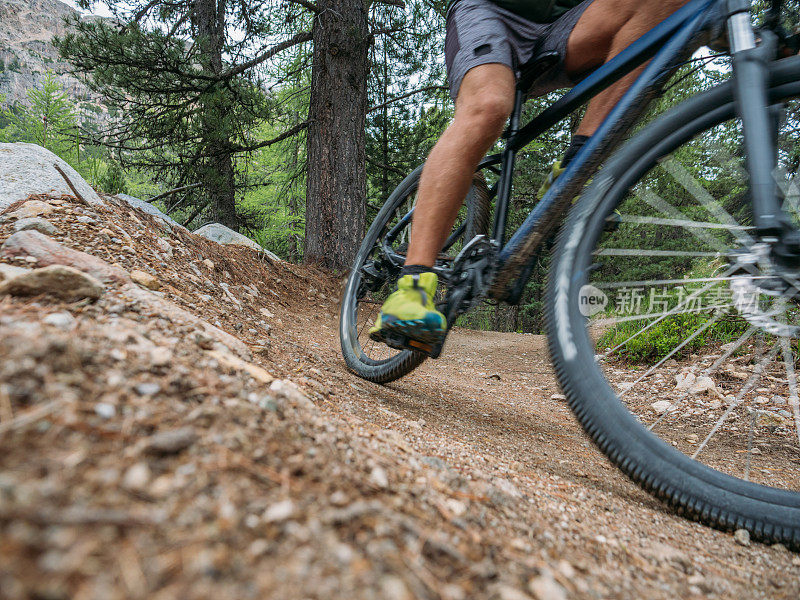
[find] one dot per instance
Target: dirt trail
(487, 403)
(205, 440)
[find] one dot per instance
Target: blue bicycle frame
(666, 46)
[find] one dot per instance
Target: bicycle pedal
(402, 342)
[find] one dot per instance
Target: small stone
(86, 220)
(62, 320)
(287, 389)
(742, 537)
(170, 442)
(31, 208)
(379, 478)
(661, 406)
(60, 281)
(280, 511)
(692, 438)
(208, 263)
(160, 356)
(36, 224)
(145, 279)
(164, 247)
(684, 381)
(778, 400)
(702, 385)
(502, 591)
(762, 400)
(258, 548)
(545, 587)
(136, 477)
(435, 462)
(394, 588)
(266, 312)
(162, 486)
(558, 397)
(147, 389)
(338, 498)
(10, 271)
(105, 410)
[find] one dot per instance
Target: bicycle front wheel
(673, 334)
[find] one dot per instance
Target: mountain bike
(677, 246)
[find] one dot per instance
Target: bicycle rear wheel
(674, 338)
(377, 268)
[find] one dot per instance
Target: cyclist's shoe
(555, 171)
(408, 319)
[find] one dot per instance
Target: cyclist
(485, 42)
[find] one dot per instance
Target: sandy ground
(144, 455)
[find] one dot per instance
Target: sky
(99, 8)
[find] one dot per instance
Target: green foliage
(113, 180)
(47, 118)
(661, 339)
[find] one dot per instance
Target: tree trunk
(335, 201)
(215, 168)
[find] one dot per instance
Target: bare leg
(485, 100)
(605, 29)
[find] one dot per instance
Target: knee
(485, 114)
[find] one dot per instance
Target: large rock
(57, 280)
(49, 252)
(217, 232)
(27, 169)
(149, 209)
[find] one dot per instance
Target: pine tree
(186, 77)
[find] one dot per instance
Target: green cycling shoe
(408, 319)
(612, 221)
(554, 174)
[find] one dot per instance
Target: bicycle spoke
(666, 208)
(675, 350)
(680, 175)
(663, 253)
(708, 372)
(791, 376)
(751, 382)
(664, 282)
(679, 222)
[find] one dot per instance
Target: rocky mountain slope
(27, 54)
(176, 422)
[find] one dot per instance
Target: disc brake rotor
(756, 279)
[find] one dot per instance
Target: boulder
(217, 232)
(57, 280)
(149, 209)
(49, 252)
(27, 169)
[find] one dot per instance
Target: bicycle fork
(750, 85)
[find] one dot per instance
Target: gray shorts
(481, 32)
